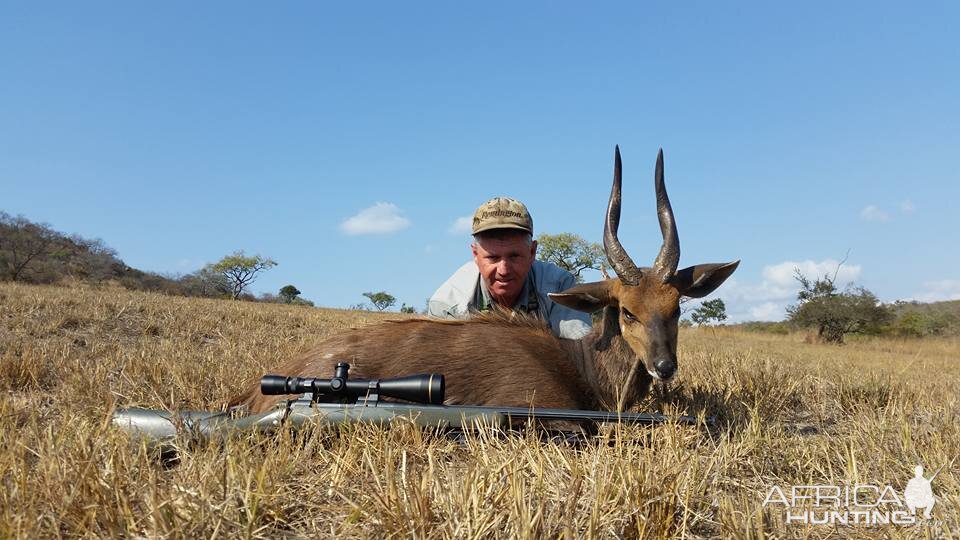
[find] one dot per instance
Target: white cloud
(907, 207)
(462, 225)
(782, 275)
(768, 300)
(757, 292)
(381, 218)
(872, 213)
(767, 311)
(938, 291)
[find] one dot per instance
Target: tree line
(35, 253)
(832, 313)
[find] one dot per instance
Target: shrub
(835, 314)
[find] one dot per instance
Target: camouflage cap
(502, 213)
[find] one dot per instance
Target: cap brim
(502, 226)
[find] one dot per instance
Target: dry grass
(791, 413)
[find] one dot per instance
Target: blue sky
(181, 132)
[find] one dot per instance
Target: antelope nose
(665, 368)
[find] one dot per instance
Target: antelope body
(507, 359)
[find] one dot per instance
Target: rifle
(341, 400)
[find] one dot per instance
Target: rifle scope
(428, 388)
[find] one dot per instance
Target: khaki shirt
(464, 293)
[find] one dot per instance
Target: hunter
(504, 272)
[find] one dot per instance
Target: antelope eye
(627, 315)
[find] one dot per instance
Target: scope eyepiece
(278, 385)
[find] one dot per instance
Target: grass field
(790, 414)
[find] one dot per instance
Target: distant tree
(207, 283)
(91, 260)
(240, 271)
(288, 294)
(836, 313)
(407, 309)
(34, 253)
(570, 252)
(24, 246)
(711, 310)
(915, 319)
(381, 300)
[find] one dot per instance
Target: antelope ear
(702, 279)
(588, 297)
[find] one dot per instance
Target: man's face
(504, 263)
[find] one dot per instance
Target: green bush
(920, 324)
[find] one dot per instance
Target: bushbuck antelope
(514, 360)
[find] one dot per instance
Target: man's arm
(568, 323)
(436, 308)
(452, 297)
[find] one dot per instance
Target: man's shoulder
(464, 279)
(452, 297)
(550, 276)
